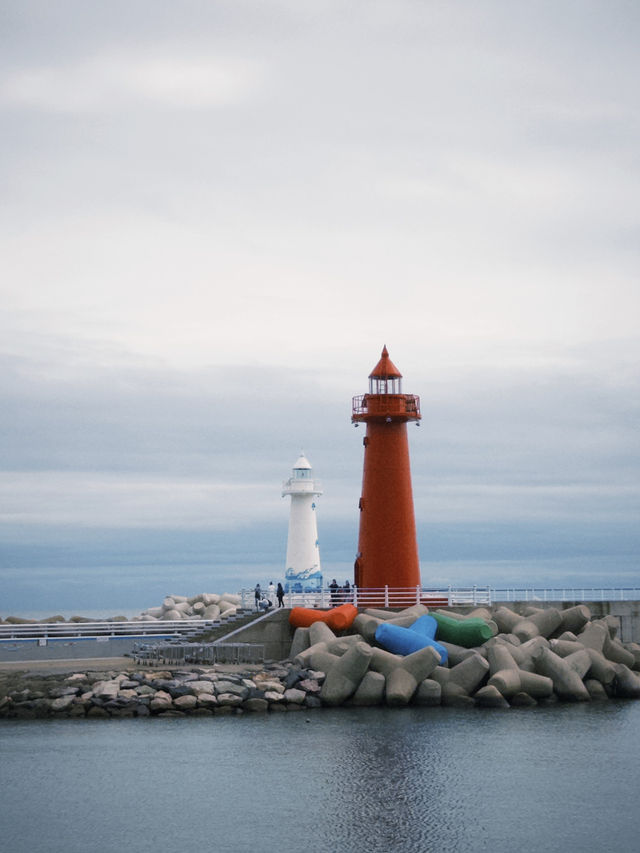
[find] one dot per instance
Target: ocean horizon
(588, 591)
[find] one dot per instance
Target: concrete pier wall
(273, 631)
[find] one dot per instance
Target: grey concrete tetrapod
(506, 619)
(564, 648)
(342, 644)
(547, 621)
(500, 657)
(428, 694)
(403, 680)
(592, 636)
(456, 654)
(299, 643)
(379, 613)
(575, 618)
(616, 652)
(366, 624)
(601, 670)
(345, 675)
(303, 658)
(490, 697)
(322, 660)
(470, 673)
(567, 684)
(383, 661)
(320, 632)
(579, 661)
(627, 682)
(370, 691)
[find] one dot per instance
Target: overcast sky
(214, 214)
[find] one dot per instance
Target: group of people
(266, 600)
(340, 594)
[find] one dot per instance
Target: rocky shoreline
(541, 657)
(199, 691)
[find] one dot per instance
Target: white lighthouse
(303, 573)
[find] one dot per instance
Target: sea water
(542, 779)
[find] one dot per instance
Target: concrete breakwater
(207, 606)
(541, 656)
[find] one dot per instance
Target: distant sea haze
(122, 570)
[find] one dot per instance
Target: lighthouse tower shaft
(302, 572)
(387, 543)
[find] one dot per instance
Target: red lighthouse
(387, 545)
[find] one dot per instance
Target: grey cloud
(502, 442)
(535, 428)
(145, 419)
(460, 178)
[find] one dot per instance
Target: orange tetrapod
(338, 618)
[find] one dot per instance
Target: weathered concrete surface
(370, 690)
(345, 675)
(273, 631)
(428, 694)
(627, 612)
(566, 682)
(470, 673)
(299, 643)
(490, 697)
(499, 657)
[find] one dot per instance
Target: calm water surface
(373, 780)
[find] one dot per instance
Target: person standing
(257, 594)
(272, 593)
(333, 587)
(280, 594)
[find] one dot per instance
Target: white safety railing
(88, 630)
(566, 593)
(385, 596)
(477, 596)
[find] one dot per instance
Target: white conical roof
(302, 462)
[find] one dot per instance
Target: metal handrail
(385, 596)
(566, 593)
(472, 595)
(36, 630)
(198, 653)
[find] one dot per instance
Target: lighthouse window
(385, 386)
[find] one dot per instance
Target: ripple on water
(354, 780)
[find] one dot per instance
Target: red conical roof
(385, 368)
